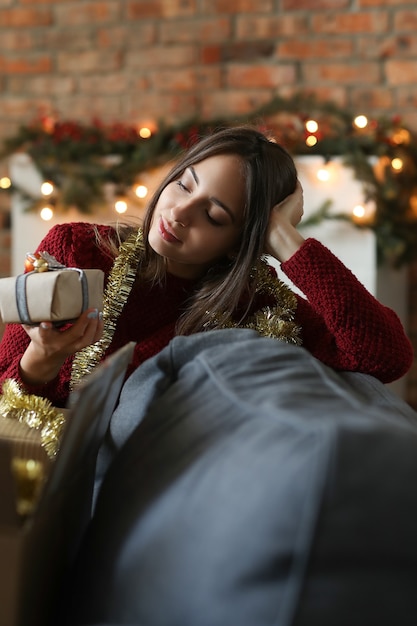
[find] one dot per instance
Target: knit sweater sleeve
(73, 245)
(342, 324)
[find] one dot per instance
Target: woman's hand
(49, 346)
(283, 238)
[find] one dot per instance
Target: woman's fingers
(87, 329)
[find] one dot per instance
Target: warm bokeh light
(120, 206)
(141, 191)
(397, 164)
(145, 132)
(46, 213)
(5, 182)
(312, 126)
(311, 140)
(48, 124)
(323, 174)
(361, 121)
(47, 188)
(359, 211)
(413, 204)
(402, 135)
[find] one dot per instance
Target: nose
(182, 213)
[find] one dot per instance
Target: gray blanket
(250, 485)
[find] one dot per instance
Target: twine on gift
(44, 262)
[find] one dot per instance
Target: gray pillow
(252, 486)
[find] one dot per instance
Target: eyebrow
(213, 199)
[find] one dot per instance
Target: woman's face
(198, 219)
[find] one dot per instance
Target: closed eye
(182, 186)
(213, 221)
(209, 217)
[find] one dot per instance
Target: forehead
(223, 177)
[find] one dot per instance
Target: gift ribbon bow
(43, 262)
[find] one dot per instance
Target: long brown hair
(270, 176)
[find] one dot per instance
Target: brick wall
(174, 59)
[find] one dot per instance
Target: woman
(197, 266)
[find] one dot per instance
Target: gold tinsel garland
(119, 285)
(276, 322)
(35, 412)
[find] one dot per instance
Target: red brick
(400, 72)
(410, 120)
(162, 56)
(373, 99)
(17, 40)
(114, 83)
(240, 51)
(189, 79)
(88, 61)
(383, 3)
(330, 93)
(211, 54)
(405, 21)
(350, 23)
(322, 49)
(291, 5)
(16, 110)
(172, 108)
(19, 17)
(232, 103)
(236, 6)
(141, 9)
(406, 97)
(76, 13)
(115, 36)
(260, 75)
(80, 106)
(202, 30)
(271, 26)
(40, 1)
(65, 39)
(383, 47)
(347, 73)
(40, 85)
(33, 64)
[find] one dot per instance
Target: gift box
(40, 536)
(57, 296)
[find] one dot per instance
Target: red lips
(166, 233)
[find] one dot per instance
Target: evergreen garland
(80, 159)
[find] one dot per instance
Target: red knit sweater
(342, 324)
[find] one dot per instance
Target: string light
(402, 135)
(323, 174)
(47, 188)
(5, 182)
(397, 164)
(311, 126)
(145, 132)
(141, 191)
(363, 213)
(121, 197)
(358, 211)
(120, 206)
(46, 213)
(361, 121)
(311, 141)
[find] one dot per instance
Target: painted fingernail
(100, 316)
(44, 325)
(92, 315)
